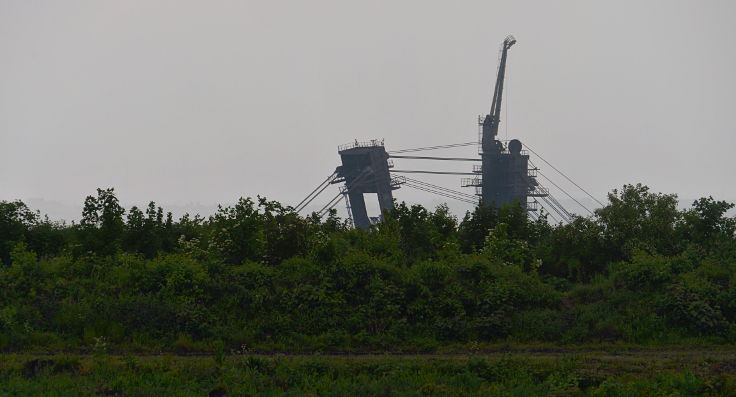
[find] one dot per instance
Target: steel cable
(299, 206)
(565, 176)
(433, 147)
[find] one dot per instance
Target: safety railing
(539, 191)
(398, 181)
(466, 182)
(371, 143)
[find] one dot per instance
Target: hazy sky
(206, 101)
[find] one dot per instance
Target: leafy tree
(501, 248)
(237, 233)
(48, 238)
(286, 233)
(135, 233)
(15, 221)
(102, 224)
(706, 223)
(148, 234)
(638, 218)
(422, 233)
(475, 226)
(575, 250)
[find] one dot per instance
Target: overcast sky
(186, 102)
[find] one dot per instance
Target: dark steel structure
(365, 169)
(505, 176)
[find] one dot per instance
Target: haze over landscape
(121, 120)
(191, 104)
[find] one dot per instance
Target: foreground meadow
(515, 373)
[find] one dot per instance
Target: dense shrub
(260, 275)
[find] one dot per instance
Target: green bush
(258, 274)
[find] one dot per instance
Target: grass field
(603, 372)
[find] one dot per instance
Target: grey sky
(207, 101)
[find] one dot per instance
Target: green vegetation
(654, 287)
(661, 374)
(258, 275)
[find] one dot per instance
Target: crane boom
(492, 119)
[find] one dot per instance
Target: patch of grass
(506, 374)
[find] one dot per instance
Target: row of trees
(257, 273)
(249, 230)
(267, 232)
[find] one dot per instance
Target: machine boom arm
(490, 124)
